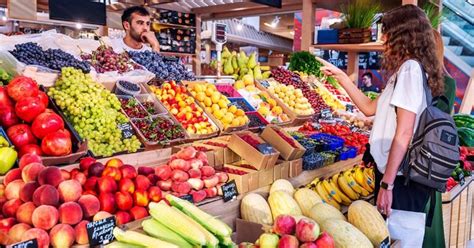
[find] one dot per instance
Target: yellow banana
(325, 196)
(344, 186)
(356, 187)
(367, 177)
(345, 200)
(360, 178)
(331, 191)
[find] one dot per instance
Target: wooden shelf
(363, 47)
(177, 54)
(157, 25)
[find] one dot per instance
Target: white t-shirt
(408, 94)
(119, 46)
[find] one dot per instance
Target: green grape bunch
(93, 111)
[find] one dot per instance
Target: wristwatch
(386, 186)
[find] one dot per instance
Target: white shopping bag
(408, 227)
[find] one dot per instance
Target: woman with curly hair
(410, 51)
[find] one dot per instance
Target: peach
(17, 231)
(90, 192)
(26, 192)
(3, 199)
(153, 178)
(165, 185)
(199, 196)
(223, 177)
(95, 169)
(211, 181)
(45, 217)
(11, 207)
(101, 215)
(179, 176)
(126, 185)
(31, 171)
(124, 200)
(69, 190)
(12, 175)
(181, 187)
(179, 164)
(73, 172)
(128, 171)
(107, 202)
(46, 195)
(62, 235)
(207, 171)
(86, 162)
(66, 174)
(145, 170)
(80, 177)
(142, 182)
(90, 205)
(197, 164)
(163, 172)
(211, 192)
(6, 224)
(28, 159)
(51, 175)
(70, 213)
(25, 212)
(2, 190)
(154, 194)
(81, 233)
(40, 235)
(196, 183)
(12, 191)
(112, 172)
(140, 197)
(194, 173)
(91, 183)
(107, 185)
(114, 162)
(138, 212)
(123, 217)
(187, 153)
(203, 157)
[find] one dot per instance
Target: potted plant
(358, 17)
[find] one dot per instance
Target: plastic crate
(331, 142)
(239, 102)
(228, 90)
(256, 115)
(329, 158)
(347, 152)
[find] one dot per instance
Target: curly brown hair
(409, 35)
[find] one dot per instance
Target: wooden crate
(457, 214)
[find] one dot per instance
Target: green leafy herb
(305, 62)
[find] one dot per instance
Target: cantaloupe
(254, 208)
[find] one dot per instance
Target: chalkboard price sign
(32, 243)
(127, 130)
(229, 191)
(101, 232)
(188, 198)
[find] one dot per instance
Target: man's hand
(150, 38)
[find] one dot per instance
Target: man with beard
(138, 37)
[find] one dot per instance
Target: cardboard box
(265, 176)
(287, 152)
(246, 182)
(228, 156)
(247, 231)
(257, 159)
(281, 169)
(296, 167)
(210, 153)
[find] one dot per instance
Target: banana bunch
(344, 187)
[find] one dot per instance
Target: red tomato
(21, 135)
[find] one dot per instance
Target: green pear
(228, 69)
(266, 74)
(234, 62)
(225, 53)
(252, 61)
(257, 73)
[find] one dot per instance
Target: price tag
(127, 130)
(188, 198)
(265, 148)
(32, 243)
(101, 232)
(350, 108)
(229, 191)
(385, 243)
(326, 114)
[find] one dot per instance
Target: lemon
(277, 110)
(197, 88)
(208, 109)
(263, 111)
(215, 107)
(222, 103)
(235, 122)
(207, 102)
(243, 120)
(218, 114)
(272, 102)
(200, 96)
(211, 87)
(232, 109)
(228, 118)
(209, 92)
(239, 112)
(215, 97)
(239, 85)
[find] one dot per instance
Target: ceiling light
(274, 22)
(78, 26)
(239, 27)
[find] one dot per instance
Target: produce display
(304, 61)
(241, 66)
(218, 105)
(32, 54)
(304, 218)
(132, 108)
(464, 168)
(8, 155)
(180, 225)
(30, 125)
(5, 77)
(293, 98)
(290, 78)
(105, 59)
(93, 111)
(183, 107)
(465, 126)
(163, 68)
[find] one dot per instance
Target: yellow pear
(234, 62)
(248, 79)
(225, 53)
(266, 74)
(228, 69)
(257, 73)
(252, 61)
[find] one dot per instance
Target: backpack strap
(426, 88)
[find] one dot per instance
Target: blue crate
(247, 104)
(331, 142)
(328, 36)
(4, 134)
(313, 161)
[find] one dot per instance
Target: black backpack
(434, 152)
